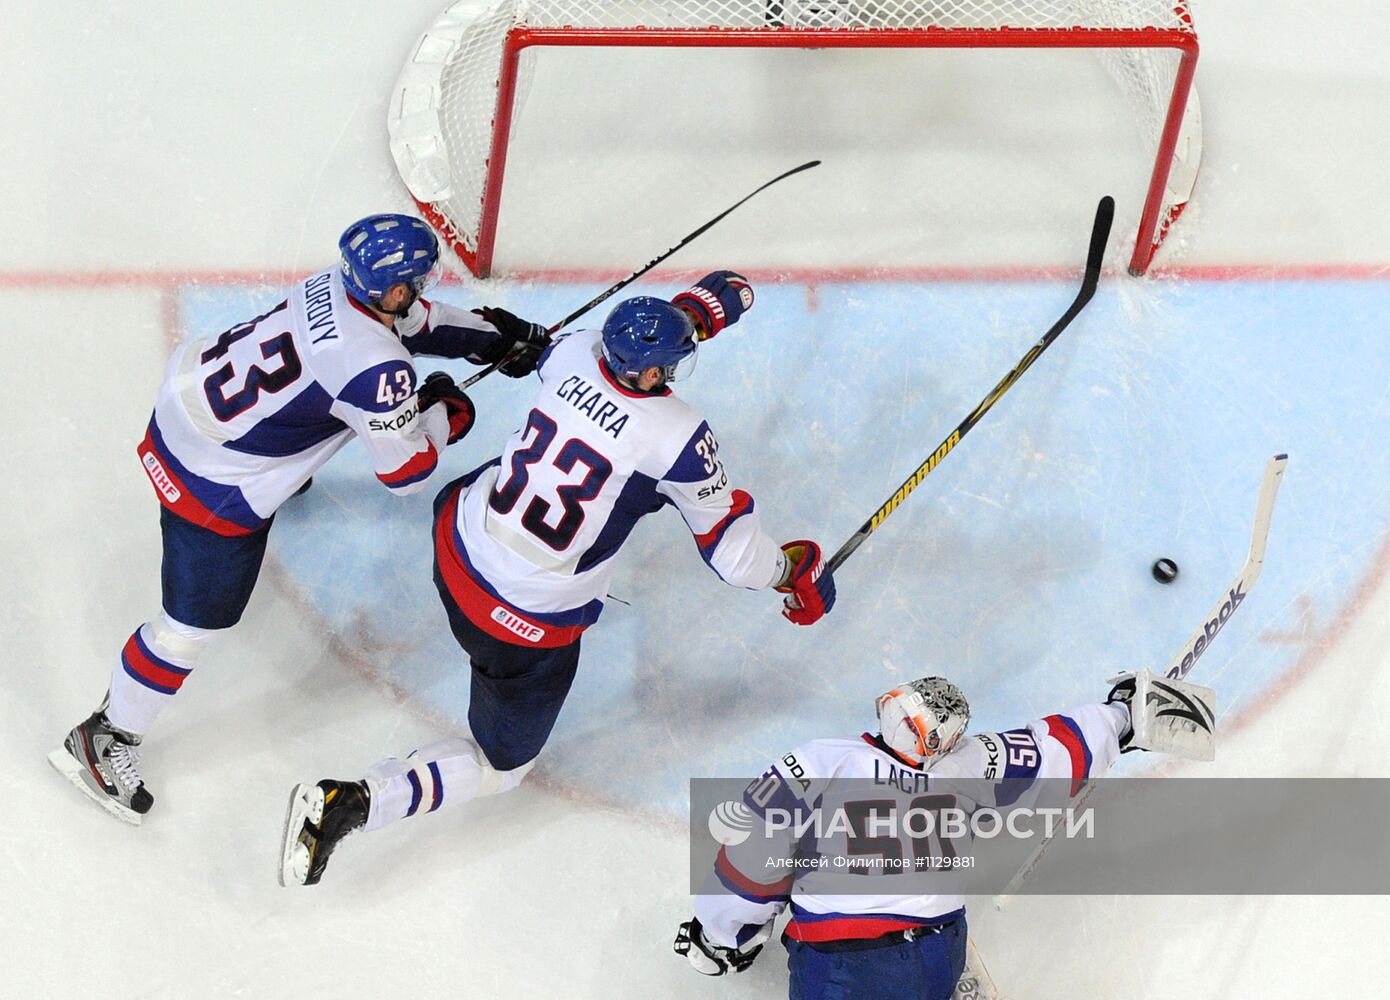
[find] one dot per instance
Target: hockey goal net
(452, 111)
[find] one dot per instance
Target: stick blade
(1215, 619)
(1100, 236)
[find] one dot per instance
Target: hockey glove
(715, 301)
(809, 586)
(523, 340)
(710, 959)
(1123, 693)
(440, 388)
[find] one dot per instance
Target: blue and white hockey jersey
(526, 547)
(1000, 769)
(244, 418)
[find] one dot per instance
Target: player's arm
(751, 880)
(381, 407)
(482, 336)
(729, 535)
(1049, 758)
(723, 520)
(1080, 742)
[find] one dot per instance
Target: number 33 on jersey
(540, 527)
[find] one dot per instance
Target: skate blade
(71, 768)
(306, 803)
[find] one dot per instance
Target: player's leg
(516, 697)
(207, 581)
(152, 666)
(320, 815)
(925, 968)
(942, 956)
(808, 969)
(451, 770)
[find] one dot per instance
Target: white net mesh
(447, 99)
(849, 14)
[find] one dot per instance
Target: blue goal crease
(1020, 568)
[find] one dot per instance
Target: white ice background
(170, 166)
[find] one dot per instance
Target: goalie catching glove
(710, 959)
(440, 388)
(809, 585)
(523, 342)
(715, 301)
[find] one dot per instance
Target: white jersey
(992, 769)
(243, 419)
(530, 554)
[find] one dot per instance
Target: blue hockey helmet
(646, 332)
(381, 251)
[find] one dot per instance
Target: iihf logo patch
(160, 478)
(518, 625)
(731, 823)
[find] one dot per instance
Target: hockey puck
(1165, 571)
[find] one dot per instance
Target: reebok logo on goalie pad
(512, 623)
(160, 478)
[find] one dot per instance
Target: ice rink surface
(170, 169)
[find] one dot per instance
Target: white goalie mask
(923, 719)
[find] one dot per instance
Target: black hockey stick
(619, 286)
(658, 259)
(1100, 232)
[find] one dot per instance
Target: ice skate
(103, 762)
(319, 817)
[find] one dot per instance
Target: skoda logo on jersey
(731, 823)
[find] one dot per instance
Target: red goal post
(451, 113)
